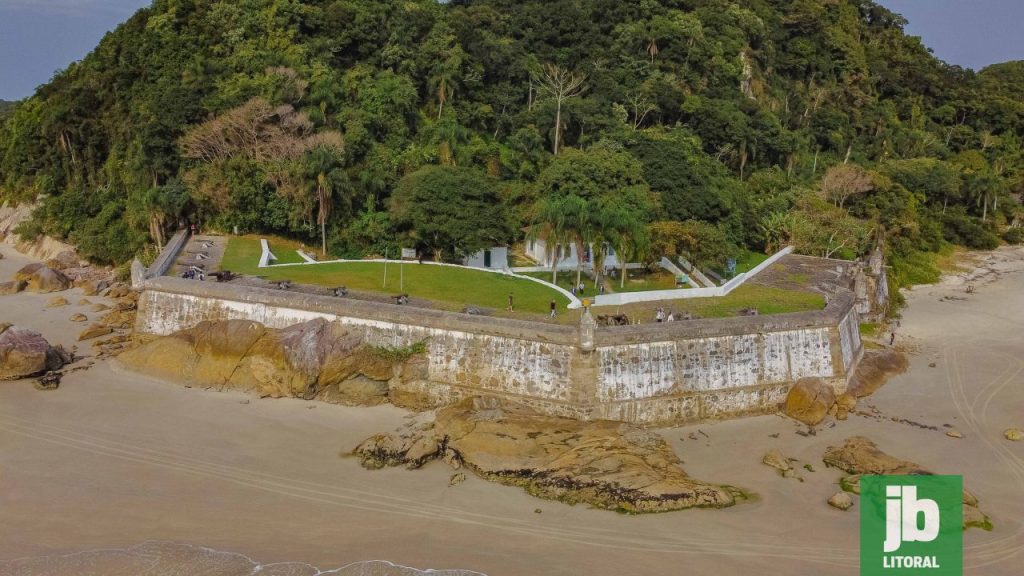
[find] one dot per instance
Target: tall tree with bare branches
(559, 85)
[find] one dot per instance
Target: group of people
(662, 316)
(194, 273)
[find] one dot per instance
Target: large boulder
(27, 271)
(25, 353)
(809, 401)
(605, 464)
(313, 360)
(42, 279)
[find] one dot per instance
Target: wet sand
(112, 460)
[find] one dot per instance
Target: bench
(401, 299)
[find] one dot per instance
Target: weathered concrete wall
(651, 374)
(716, 368)
(170, 253)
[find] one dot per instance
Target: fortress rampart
(649, 374)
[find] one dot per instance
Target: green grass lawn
(566, 279)
(454, 288)
(746, 261)
(766, 299)
(457, 287)
(242, 254)
(640, 281)
(286, 254)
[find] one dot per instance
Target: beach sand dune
(112, 460)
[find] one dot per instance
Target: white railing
(701, 278)
(621, 298)
(265, 255)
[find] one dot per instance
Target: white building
(537, 250)
(492, 258)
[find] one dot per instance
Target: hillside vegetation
(704, 127)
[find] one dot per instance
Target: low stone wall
(170, 253)
(649, 374)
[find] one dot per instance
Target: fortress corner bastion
(651, 374)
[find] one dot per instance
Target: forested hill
(696, 125)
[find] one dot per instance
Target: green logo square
(911, 525)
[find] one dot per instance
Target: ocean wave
(156, 558)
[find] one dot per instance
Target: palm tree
(563, 222)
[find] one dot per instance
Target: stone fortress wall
(650, 374)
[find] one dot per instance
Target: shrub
(960, 228)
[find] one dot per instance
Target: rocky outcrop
(12, 287)
(809, 401)
(92, 287)
(860, 456)
(25, 353)
(874, 370)
(41, 248)
(610, 465)
(66, 260)
(94, 331)
(312, 360)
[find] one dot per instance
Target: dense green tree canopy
(323, 117)
(450, 211)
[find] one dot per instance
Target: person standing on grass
(554, 308)
(510, 307)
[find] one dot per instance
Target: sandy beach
(111, 461)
